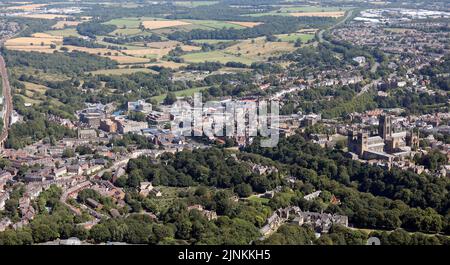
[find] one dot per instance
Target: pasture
(216, 56)
(259, 49)
(295, 36)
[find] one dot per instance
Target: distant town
(89, 154)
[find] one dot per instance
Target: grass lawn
(294, 36)
(122, 71)
(216, 56)
(181, 93)
(255, 198)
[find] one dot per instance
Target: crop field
(29, 7)
(65, 24)
(259, 49)
(310, 9)
(37, 42)
(159, 24)
(35, 39)
(97, 51)
(154, 52)
(123, 59)
(44, 16)
(215, 24)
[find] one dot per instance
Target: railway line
(7, 102)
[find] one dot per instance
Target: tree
(68, 153)
(170, 99)
(399, 237)
(243, 190)
(100, 233)
(43, 233)
(162, 232)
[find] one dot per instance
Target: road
(322, 31)
(8, 105)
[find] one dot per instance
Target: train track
(7, 102)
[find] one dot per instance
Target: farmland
(295, 36)
(216, 56)
(159, 24)
(298, 11)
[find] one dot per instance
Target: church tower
(385, 126)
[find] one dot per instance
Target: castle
(387, 145)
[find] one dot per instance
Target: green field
(255, 198)
(215, 56)
(69, 32)
(130, 26)
(129, 47)
(284, 11)
(123, 71)
(195, 3)
(213, 24)
(129, 22)
(39, 74)
(126, 31)
(294, 36)
(208, 41)
(311, 9)
(30, 100)
(181, 93)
